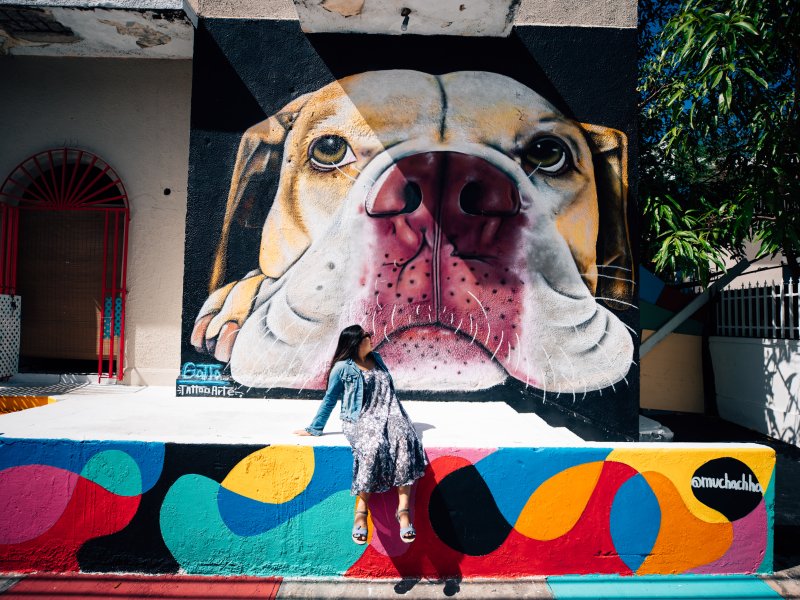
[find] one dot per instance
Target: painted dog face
(458, 217)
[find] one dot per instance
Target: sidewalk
(785, 584)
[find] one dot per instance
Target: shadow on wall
(758, 384)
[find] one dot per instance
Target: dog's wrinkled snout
(473, 184)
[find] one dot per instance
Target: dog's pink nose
(448, 179)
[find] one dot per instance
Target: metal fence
(763, 311)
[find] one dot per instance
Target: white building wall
(758, 384)
(135, 115)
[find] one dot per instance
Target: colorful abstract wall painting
(287, 511)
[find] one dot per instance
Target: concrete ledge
(286, 510)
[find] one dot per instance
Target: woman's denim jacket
(346, 383)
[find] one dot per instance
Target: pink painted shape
(747, 549)
(471, 454)
(32, 498)
(386, 531)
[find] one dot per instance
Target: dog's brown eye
(548, 154)
(329, 152)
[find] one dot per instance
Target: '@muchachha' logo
(728, 486)
(746, 483)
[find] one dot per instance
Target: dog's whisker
(532, 173)
(631, 329)
(611, 277)
(613, 267)
(499, 345)
(519, 350)
(385, 336)
(361, 173)
(486, 316)
(528, 377)
(459, 324)
(615, 300)
(549, 364)
(572, 368)
(373, 322)
(394, 308)
(609, 362)
(350, 177)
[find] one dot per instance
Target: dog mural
(462, 218)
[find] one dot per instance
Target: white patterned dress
(386, 450)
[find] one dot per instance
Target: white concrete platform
(154, 414)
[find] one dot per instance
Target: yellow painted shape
(557, 504)
(274, 474)
(684, 541)
(9, 404)
(679, 464)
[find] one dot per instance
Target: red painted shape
(131, 587)
(586, 548)
(92, 512)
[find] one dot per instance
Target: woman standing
(386, 450)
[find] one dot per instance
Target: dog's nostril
(470, 198)
(478, 199)
(412, 194)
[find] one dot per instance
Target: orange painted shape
(684, 541)
(10, 404)
(557, 504)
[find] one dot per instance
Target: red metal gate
(69, 179)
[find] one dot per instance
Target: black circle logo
(727, 485)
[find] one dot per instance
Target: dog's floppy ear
(260, 147)
(614, 259)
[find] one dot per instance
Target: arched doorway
(63, 249)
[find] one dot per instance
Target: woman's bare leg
(362, 505)
(403, 502)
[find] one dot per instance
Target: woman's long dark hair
(347, 347)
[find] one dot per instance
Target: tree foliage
(720, 133)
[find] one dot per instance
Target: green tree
(719, 132)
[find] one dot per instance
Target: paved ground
(130, 587)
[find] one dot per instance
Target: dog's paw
(223, 315)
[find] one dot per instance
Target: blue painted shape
(311, 542)
(635, 521)
(661, 587)
(513, 474)
(72, 455)
(244, 516)
(650, 286)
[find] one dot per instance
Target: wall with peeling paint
(479, 512)
(584, 13)
(135, 115)
(466, 199)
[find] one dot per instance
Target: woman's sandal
(407, 534)
(359, 532)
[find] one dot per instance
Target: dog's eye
(329, 152)
(548, 154)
